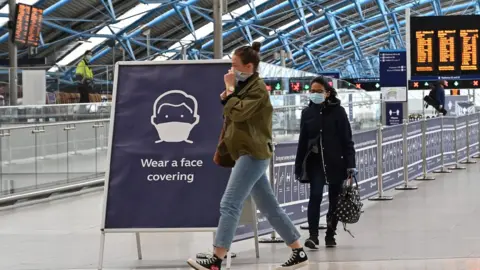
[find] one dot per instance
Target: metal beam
(253, 9)
(201, 13)
(356, 47)
(384, 11)
(358, 7)
(318, 67)
(398, 33)
(437, 7)
(186, 21)
(297, 6)
(333, 24)
(109, 7)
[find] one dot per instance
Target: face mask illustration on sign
(174, 116)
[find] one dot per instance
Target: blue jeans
(249, 177)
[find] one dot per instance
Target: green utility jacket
(248, 118)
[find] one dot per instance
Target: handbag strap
(354, 177)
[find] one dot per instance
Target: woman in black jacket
(325, 156)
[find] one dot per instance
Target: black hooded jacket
(325, 127)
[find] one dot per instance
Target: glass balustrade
(47, 155)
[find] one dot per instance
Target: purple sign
(394, 113)
(165, 132)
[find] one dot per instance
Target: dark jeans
(317, 183)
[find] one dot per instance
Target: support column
(147, 35)
(184, 53)
(12, 53)
(217, 29)
(409, 72)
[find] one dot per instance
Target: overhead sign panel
(28, 25)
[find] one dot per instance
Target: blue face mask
(242, 76)
(317, 98)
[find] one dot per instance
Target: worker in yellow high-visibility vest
(84, 77)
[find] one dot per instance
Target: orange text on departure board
(424, 50)
(446, 44)
(469, 48)
(23, 20)
(36, 19)
(28, 25)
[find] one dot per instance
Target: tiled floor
(432, 228)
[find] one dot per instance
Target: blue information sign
(165, 132)
(394, 113)
(393, 75)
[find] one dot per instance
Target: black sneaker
(298, 260)
(330, 242)
(312, 243)
(213, 263)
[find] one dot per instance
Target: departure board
(446, 50)
(469, 43)
(444, 46)
(28, 24)
(424, 50)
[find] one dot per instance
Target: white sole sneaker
(293, 267)
(195, 265)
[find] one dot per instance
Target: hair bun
(256, 46)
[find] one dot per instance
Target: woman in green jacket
(248, 140)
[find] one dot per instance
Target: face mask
(88, 58)
(242, 76)
(174, 130)
(317, 98)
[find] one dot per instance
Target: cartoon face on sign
(174, 116)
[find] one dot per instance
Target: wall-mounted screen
(444, 46)
(28, 25)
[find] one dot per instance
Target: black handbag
(349, 207)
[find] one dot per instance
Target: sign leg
(102, 251)
(139, 246)
(255, 229)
